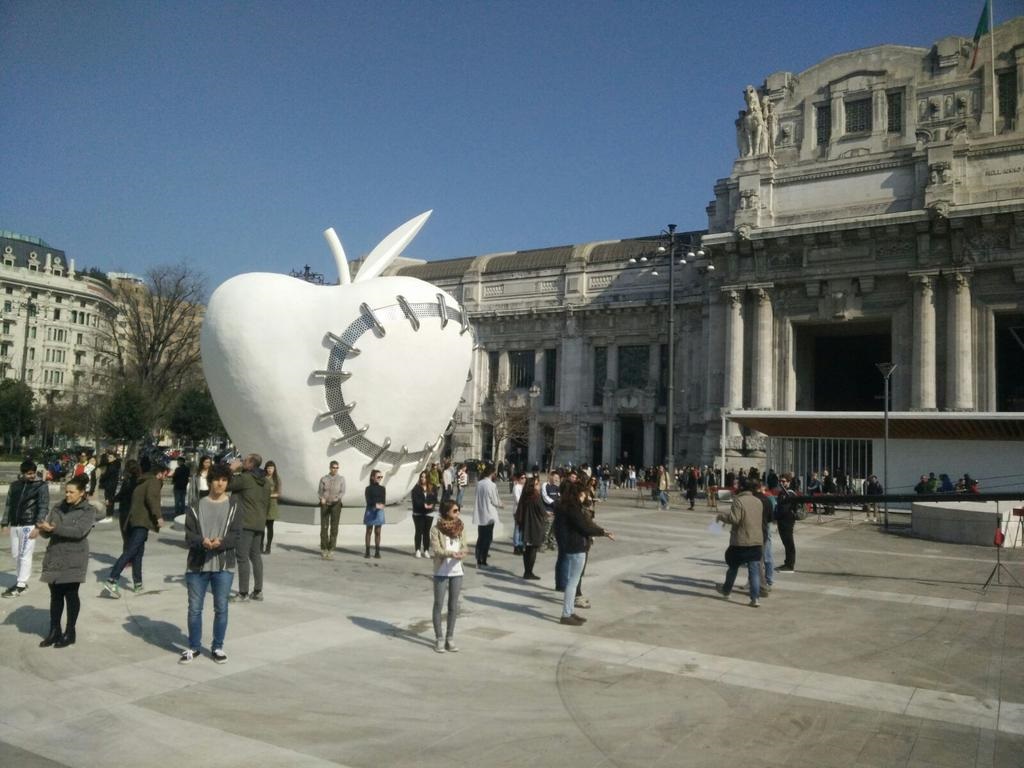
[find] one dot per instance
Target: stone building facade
(875, 213)
(881, 220)
(53, 321)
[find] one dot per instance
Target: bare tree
(554, 434)
(154, 338)
(509, 416)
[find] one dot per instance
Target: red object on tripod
(1000, 537)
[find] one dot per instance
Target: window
(824, 124)
(1008, 96)
(550, 375)
(32, 332)
(858, 116)
(79, 358)
(30, 375)
(31, 353)
(59, 299)
(7, 326)
(493, 359)
(520, 369)
(56, 314)
(663, 374)
(56, 334)
(634, 365)
(74, 316)
(8, 306)
(600, 374)
(9, 290)
(78, 339)
(894, 109)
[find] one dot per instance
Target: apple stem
(344, 276)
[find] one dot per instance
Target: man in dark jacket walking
(249, 486)
(28, 501)
(145, 516)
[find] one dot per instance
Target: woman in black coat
(532, 519)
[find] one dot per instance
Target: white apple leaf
(390, 248)
(339, 255)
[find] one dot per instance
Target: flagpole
(992, 61)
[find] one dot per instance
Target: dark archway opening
(1009, 362)
(837, 365)
(631, 440)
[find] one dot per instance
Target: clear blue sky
(230, 134)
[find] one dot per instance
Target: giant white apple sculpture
(367, 372)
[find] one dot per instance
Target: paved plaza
(880, 650)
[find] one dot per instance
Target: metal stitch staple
(337, 341)
(340, 375)
(442, 308)
(337, 412)
(345, 439)
(464, 319)
(384, 446)
(409, 312)
(371, 318)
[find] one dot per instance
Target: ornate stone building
(53, 321)
(875, 213)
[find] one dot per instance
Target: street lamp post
(670, 233)
(886, 370)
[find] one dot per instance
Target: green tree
(17, 411)
(128, 415)
(193, 416)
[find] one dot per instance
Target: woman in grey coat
(67, 558)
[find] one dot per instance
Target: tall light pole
(886, 370)
(670, 419)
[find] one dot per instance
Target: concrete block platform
(879, 650)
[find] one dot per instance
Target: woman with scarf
(448, 547)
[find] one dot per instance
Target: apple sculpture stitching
(367, 372)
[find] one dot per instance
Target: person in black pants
(785, 520)
(424, 500)
(66, 562)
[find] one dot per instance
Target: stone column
(613, 367)
(922, 371)
(959, 347)
(649, 457)
(608, 442)
(733, 355)
(764, 352)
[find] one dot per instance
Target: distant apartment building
(53, 321)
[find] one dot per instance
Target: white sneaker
(187, 656)
(418, 554)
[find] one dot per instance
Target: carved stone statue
(770, 125)
(755, 142)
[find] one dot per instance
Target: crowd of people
(229, 512)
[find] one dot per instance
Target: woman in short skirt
(373, 518)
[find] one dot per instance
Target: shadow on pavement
(514, 607)
(162, 634)
(29, 619)
(389, 630)
(539, 594)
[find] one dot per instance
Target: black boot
(51, 638)
(68, 638)
(367, 554)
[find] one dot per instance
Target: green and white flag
(984, 28)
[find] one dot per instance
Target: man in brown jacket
(145, 516)
(745, 541)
